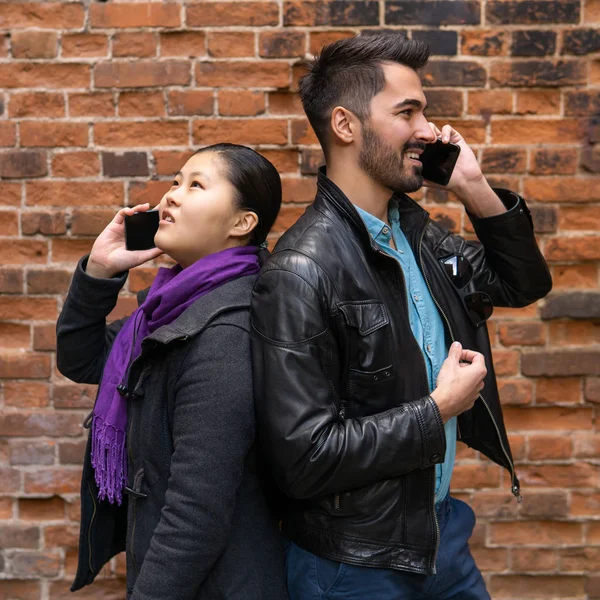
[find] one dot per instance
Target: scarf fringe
(109, 460)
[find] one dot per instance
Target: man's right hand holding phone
(109, 255)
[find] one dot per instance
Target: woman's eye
(196, 184)
(175, 183)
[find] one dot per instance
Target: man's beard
(383, 164)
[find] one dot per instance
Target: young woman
(171, 473)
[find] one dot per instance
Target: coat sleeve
(507, 261)
(83, 340)
(213, 430)
(313, 452)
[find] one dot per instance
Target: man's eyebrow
(411, 102)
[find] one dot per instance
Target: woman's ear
(245, 223)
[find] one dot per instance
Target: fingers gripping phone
(140, 229)
(438, 161)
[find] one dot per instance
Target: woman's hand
(109, 255)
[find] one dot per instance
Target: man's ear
(345, 125)
(244, 224)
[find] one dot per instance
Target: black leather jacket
(344, 411)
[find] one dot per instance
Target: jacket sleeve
(83, 339)
(507, 261)
(312, 451)
(213, 430)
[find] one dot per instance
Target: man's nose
(424, 132)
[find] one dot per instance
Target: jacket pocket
(365, 316)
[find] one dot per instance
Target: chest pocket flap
(366, 316)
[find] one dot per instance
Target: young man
(370, 349)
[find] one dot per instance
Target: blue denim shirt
(425, 322)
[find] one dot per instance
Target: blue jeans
(457, 577)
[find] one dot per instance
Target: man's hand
(467, 181)
(459, 381)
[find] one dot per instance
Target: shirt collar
(378, 230)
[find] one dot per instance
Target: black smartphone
(438, 161)
(140, 229)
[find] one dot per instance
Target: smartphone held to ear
(438, 161)
(140, 229)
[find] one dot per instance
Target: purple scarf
(172, 292)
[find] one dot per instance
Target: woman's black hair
(256, 181)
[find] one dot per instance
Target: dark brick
(409, 12)
(285, 44)
(581, 41)
(533, 12)
(545, 218)
(446, 103)
(336, 13)
(592, 130)
(582, 104)
(567, 363)
(48, 281)
(1, 106)
(550, 161)
(71, 452)
(440, 42)
(128, 164)
(503, 160)
(483, 43)
(11, 281)
(538, 73)
(572, 305)
(533, 43)
(590, 159)
(46, 223)
(19, 536)
(311, 161)
(19, 164)
(464, 73)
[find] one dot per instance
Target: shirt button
(416, 297)
(428, 348)
(401, 251)
(385, 230)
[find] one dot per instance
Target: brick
(74, 396)
(241, 103)
(65, 536)
(547, 418)
(10, 481)
(562, 189)
(547, 505)
(15, 335)
(545, 218)
(534, 559)
(26, 394)
(590, 159)
(536, 586)
(581, 41)
(19, 536)
(92, 105)
(576, 475)
(335, 13)
(460, 73)
(537, 73)
(33, 424)
(9, 222)
(592, 12)
(84, 45)
(485, 475)
(538, 102)
(592, 390)
(574, 333)
(583, 276)
(488, 102)
(406, 12)
(302, 133)
(31, 452)
(441, 43)
(494, 505)
(533, 12)
(230, 44)
(522, 334)
(484, 42)
(554, 161)
(506, 362)
(39, 75)
(579, 559)
(533, 43)
(246, 131)
(284, 103)
(127, 164)
(151, 191)
(447, 217)
(90, 222)
(36, 564)
(33, 44)
(318, 39)
(503, 160)
(540, 131)
(191, 102)
(285, 161)
(168, 162)
(47, 223)
(7, 134)
(299, 189)
(44, 337)
(23, 164)
(282, 44)
(47, 15)
(490, 559)
(75, 164)
(243, 74)
(311, 161)
(141, 104)
(515, 391)
(15, 252)
(125, 306)
(226, 14)
(139, 44)
(11, 281)
(585, 504)
(54, 134)
(573, 305)
(141, 134)
(183, 43)
(288, 215)
(142, 74)
(70, 250)
(58, 480)
(447, 103)
(587, 446)
(569, 248)
(563, 390)
(21, 589)
(68, 193)
(537, 533)
(36, 104)
(127, 15)
(71, 452)
(24, 366)
(581, 104)
(550, 447)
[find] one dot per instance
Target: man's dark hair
(349, 73)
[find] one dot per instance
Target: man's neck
(361, 190)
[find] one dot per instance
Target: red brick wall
(100, 103)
